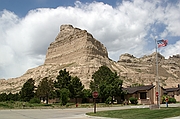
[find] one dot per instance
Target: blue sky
(22, 7)
(27, 27)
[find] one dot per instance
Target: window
(143, 95)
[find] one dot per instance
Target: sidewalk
(173, 118)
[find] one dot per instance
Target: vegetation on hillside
(65, 87)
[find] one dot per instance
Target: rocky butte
(82, 55)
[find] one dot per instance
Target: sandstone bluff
(82, 55)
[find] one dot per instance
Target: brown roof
(172, 89)
(132, 90)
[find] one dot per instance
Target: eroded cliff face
(82, 55)
(74, 45)
(73, 49)
(78, 52)
(143, 70)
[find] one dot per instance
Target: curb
(95, 117)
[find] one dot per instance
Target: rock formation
(143, 70)
(82, 55)
(74, 45)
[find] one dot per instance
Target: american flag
(162, 43)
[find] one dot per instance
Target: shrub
(35, 100)
(133, 100)
(172, 100)
(164, 99)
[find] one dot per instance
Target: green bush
(35, 100)
(172, 100)
(133, 100)
(164, 99)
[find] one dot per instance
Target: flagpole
(157, 76)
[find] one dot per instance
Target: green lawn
(144, 113)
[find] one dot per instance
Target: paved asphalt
(73, 113)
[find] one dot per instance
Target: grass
(23, 105)
(144, 113)
(27, 105)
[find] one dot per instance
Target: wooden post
(94, 105)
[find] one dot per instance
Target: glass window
(143, 95)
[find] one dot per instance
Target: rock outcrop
(143, 70)
(75, 45)
(82, 55)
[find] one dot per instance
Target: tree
(8, 97)
(3, 97)
(16, 97)
(45, 88)
(87, 93)
(104, 74)
(76, 88)
(106, 82)
(64, 96)
(63, 80)
(27, 91)
(72, 84)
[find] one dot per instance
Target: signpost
(157, 94)
(95, 95)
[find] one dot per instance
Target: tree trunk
(47, 99)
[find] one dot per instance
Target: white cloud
(127, 28)
(171, 49)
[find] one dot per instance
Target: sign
(157, 94)
(95, 94)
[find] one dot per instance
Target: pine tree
(45, 88)
(76, 88)
(106, 82)
(27, 91)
